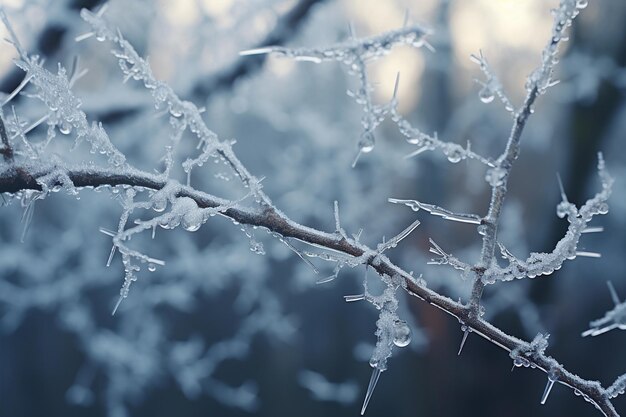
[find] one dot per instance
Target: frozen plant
(170, 196)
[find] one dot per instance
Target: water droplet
(65, 128)
(151, 267)
(159, 204)
(486, 95)
(192, 221)
(454, 155)
(366, 143)
(581, 4)
(373, 362)
(603, 208)
(401, 333)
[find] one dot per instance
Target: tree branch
(14, 179)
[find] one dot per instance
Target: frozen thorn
(107, 232)
(438, 211)
(356, 158)
(436, 249)
(258, 51)
(598, 229)
(466, 331)
(155, 261)
(300, 255)
(326, 279)
(614, 295)
(102, 10)
(111, 255)
(117, 305)
(351, 31)
(394, 96)
(596, 331)
(589, 254)
(370, 388)
(33, 125)
(84, 36)
(393, 242)
(19, 88)
(561, 188)
(331, 277)
(428, 46)
(27, 216)
(355, 297)
(552, 378)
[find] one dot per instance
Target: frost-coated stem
(498, 193)
(16, 178)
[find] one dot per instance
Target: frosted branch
(566, 249)
(356, 53)
(491, 86)
(613, 319)
(15, 179)
(425, 142)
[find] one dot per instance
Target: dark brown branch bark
(7, 150)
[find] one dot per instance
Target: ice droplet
(366, 143)
(603, 208)
(65, 128)
(192, 221)
(401, 333)
(581, 4)
(486, 95)
(454, 156)
(151, 267)
(159, 204)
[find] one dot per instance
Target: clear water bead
(65, 128)
(159, 204)
(374, 362)
(454, 156)
(401, 333)
(486, 95)
(603, 208)
(366, 143)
